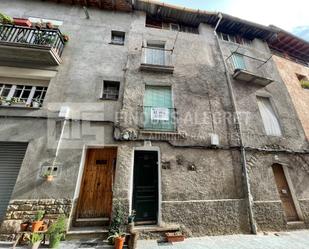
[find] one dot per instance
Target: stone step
(296, 225)
(87, 233)
(155, 232)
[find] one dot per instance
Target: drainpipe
(238, 128)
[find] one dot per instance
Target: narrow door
(145, 187)
(285, 193)
(95, 199)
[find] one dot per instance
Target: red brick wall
(300, 96)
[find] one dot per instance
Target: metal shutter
(11, 158)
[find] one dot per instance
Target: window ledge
(116, 43)
(157, 68)
(19, 107)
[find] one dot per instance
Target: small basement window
(118, 37)
(110, 90)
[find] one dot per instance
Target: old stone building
(180, 115)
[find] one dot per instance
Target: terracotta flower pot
(22, 22)
(50, 178)
(172, 237)
(24, 227)
(36, 225)
(119, 241)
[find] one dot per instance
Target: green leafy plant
(48, 173)
(305, 84)
(131, 217)
(117, 219)
(39, 215)
(57, 231)
(5, 19)
(35, 237)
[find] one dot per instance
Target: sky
(292, 16)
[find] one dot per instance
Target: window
(110, 90)
(152, 22)
(269, 117)
(235, 39)
(22, 95)
(155, 54)
(238, 61)
(159, 113)
(118, 37)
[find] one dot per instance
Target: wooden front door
(145, 187)
(285, 193)
(95, 198)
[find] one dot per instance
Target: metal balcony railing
(158, 59)
(52, 38)
(157, 118)
(250, 69)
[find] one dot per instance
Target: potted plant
(18, 102)
(304, 83)
(49, 175)
(36, 103)
(5, 19)
(65, 38)
(49, 25)
(35, 240)
(38, 221)
(57, 231)
(118, 240)
(174, 237)
(24, 226)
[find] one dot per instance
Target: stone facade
(20, 211)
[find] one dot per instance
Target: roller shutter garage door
(11, 158)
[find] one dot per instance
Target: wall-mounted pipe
(238, 128)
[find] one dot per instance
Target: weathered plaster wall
(267, 204)
(251, 122)
(288, 70)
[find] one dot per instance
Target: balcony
(160, 119)
(157, 60)
(31, 45)
(255, 75)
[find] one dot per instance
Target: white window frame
(156, 46)
(30, 99)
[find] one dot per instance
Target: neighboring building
(178, 114)
(291, 56)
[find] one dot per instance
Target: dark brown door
(285, 193)
(95, 198)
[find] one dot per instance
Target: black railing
(32, 36)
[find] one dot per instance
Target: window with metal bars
(22, 95)
(110, 90)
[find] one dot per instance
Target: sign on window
(160, 113)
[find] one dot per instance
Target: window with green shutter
(159, 113)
